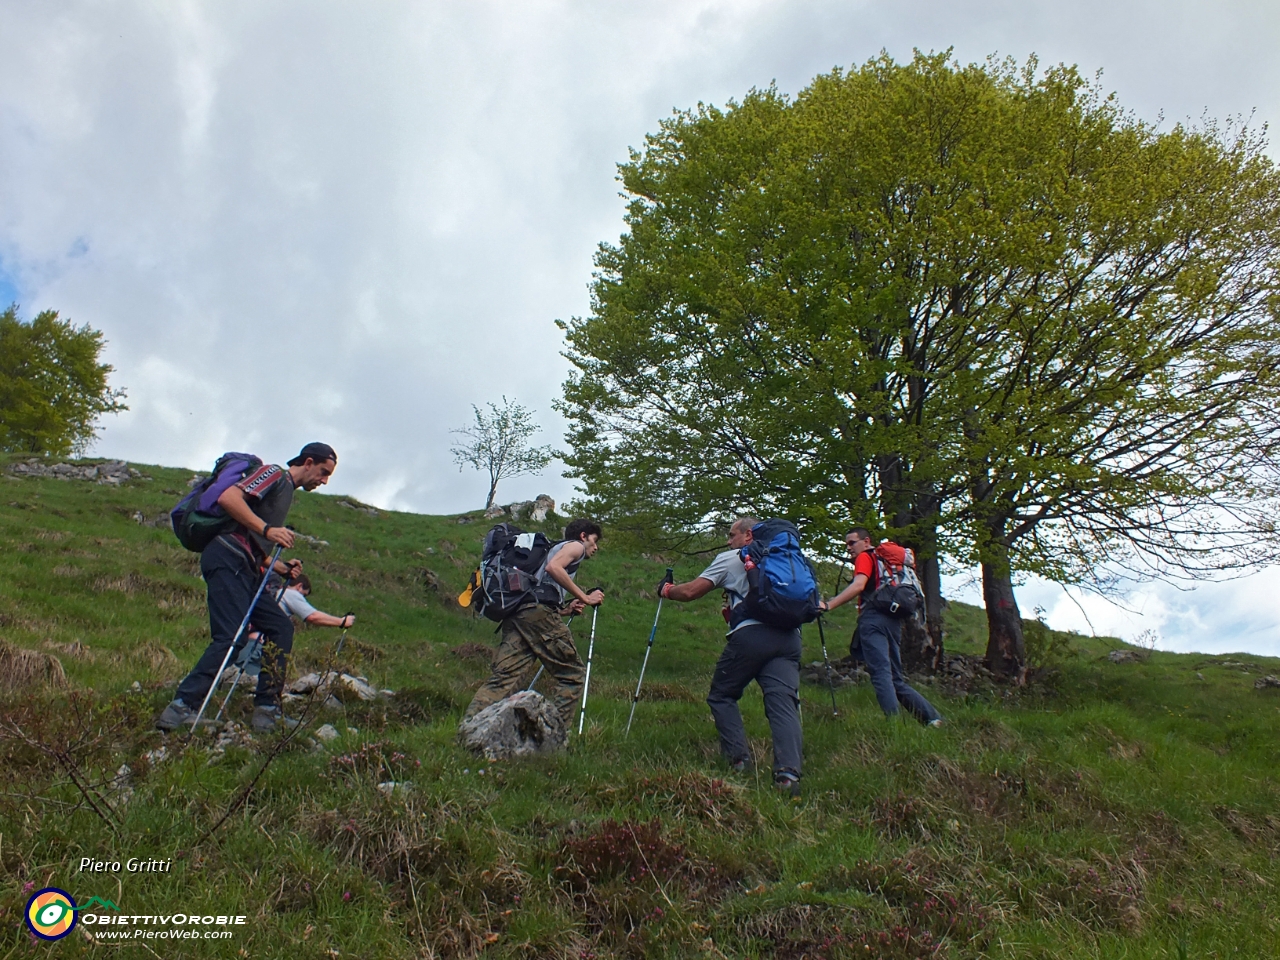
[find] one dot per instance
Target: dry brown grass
(21, 668)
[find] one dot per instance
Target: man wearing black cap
(232, 566)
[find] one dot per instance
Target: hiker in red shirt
(877, 636)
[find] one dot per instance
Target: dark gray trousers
(878, 636)
(771, 658)
(232, 581)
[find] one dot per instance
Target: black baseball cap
(319, 452)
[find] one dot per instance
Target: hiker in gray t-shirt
(295, 603)
(754, 651)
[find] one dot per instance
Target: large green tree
(53, 388)
(921, 297)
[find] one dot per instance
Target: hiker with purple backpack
(233, 519)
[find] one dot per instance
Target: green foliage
(990, 307)
(52, 387)
(1046, 647)
(1124, 811)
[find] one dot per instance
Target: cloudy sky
(301, 220)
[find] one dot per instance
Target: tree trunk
(493, 492)
(931, 580)
(1006, 652)
(921, 643)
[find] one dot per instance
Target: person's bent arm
(850, 592)
(556, 570)
(319, 619)
(237, 508)
(692, 590)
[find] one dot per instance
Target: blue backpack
(197, 519)
(783, 588)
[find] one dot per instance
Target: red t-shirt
(865, 564)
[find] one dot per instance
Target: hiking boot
(741, 765)
(936, 723)
(787, 783)
(175, 715)
(270, 719)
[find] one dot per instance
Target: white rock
(524, 724)
(327, 733)
(341, 685)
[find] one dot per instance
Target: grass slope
(1110, 810)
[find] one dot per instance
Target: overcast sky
(350, 222)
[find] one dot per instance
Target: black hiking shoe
(741, 765)
(787, 783)
(270, 719)
(175, 715)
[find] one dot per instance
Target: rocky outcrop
(111, 472)
(535, 510)
(525, 724)
(844, 673)
(343, 686)
(1127, 656)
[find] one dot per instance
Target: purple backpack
(197, 519)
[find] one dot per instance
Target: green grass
(1105, 811)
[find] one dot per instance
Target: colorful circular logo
(51, 913)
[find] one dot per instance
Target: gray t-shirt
(548, 590)
(293, 602)
(727, 571)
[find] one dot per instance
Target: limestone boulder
(525, 724)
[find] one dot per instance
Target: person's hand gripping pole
(236, 639)
(669, 578)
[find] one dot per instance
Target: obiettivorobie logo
(51, 913)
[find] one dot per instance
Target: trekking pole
(250, 652)
(586, 682)
(243, 623)
(822, 634)
(343, 639)
(827, 660)
(636, 699)
(534, 681)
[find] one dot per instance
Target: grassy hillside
(1108, 810)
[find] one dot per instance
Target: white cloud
(1241, 614)
(306, 220)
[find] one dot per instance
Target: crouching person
(233, 565)
(878, 635)
(754, 651)
(537, 632)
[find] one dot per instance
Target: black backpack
(898, 592)
(783, 588)
(197, 519)
(511, 568)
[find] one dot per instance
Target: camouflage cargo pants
(534, 634)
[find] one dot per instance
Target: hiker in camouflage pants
(537, 632)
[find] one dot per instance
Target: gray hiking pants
(771, 658)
